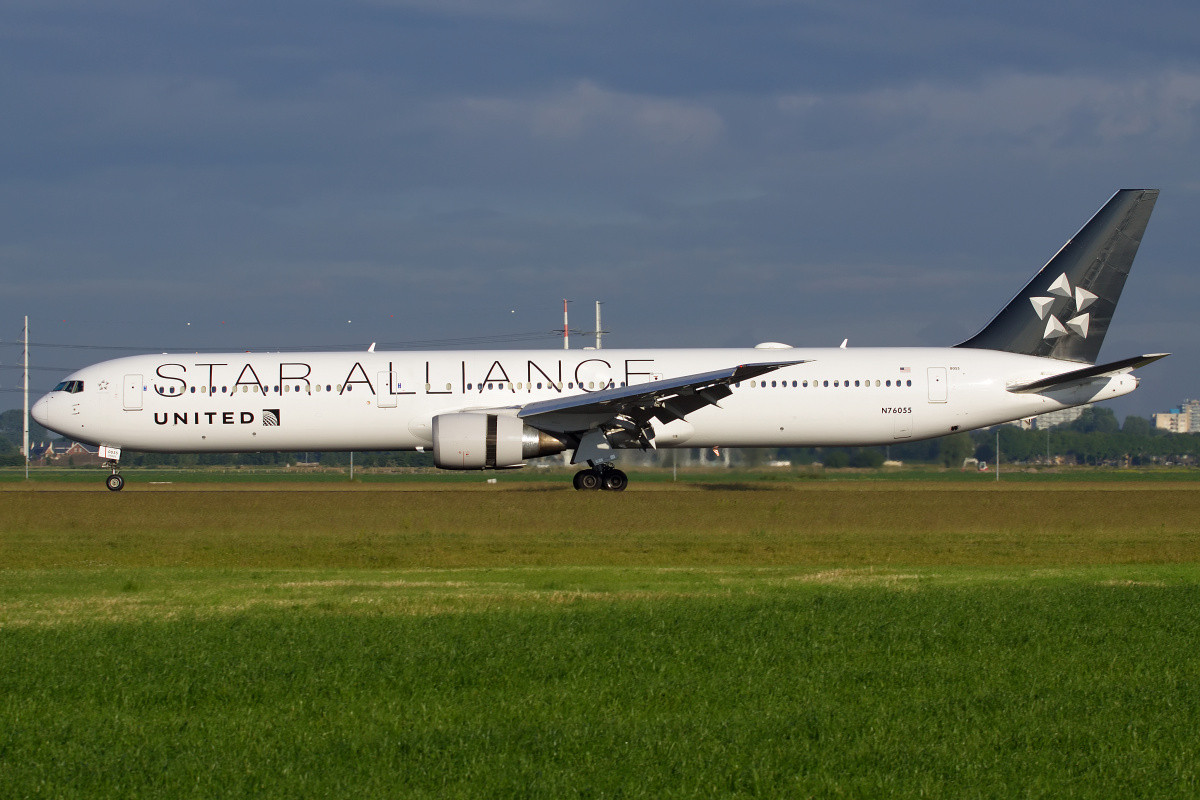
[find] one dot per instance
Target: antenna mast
(599, 330)
(566, 330)
(25, 417)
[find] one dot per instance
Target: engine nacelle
(488, 441)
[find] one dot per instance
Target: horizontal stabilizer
(1086, 374)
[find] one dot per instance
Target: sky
(250, 175)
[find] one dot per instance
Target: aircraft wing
(666, 400)
(1086, 374)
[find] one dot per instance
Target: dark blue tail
(1065, 310)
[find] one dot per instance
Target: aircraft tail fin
(1065, 311)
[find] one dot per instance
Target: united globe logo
(270, 417)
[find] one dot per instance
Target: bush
(836, 459)
(867, 457)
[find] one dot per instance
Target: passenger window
(876, 383)
(327, 388)
(889, 383)
(835, 383)
(570, 385)
(805, 385)
(908, 383)
(772, 383)
(539, 384)
(856, 383)
(753, 384)
(826, 383)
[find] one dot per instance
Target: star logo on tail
(1044, 306)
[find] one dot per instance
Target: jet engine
(488, 441)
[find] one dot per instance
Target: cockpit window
(61, 387)
(70, 387)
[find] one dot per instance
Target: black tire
(587, 480)
(114, 482)
(615, 481)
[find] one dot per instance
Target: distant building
(1176, 420)
(63, 451)
(1192, 407)
(1063, 416)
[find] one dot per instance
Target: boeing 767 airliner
(497, 409)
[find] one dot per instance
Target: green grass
(1057, 687)
(820, 639)
(684, 478)
(816, 524)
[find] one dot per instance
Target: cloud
(524, 10)
(587, 110)
(1027, 111)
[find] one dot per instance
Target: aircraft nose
(41, 412)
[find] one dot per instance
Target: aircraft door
(938, 385)
(903, 426)
(133, 393)
(386, 394)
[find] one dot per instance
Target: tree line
(1094, 438)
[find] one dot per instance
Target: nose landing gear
(114, 482)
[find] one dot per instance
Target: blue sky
(315, 173)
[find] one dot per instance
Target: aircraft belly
(242, 427)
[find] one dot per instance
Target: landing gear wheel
(586, 480)
(114, 482)
(614, 480)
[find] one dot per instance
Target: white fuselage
(245, 402)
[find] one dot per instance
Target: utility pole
(566, 330)
(997, 453)
(25, 416)
(599, 330)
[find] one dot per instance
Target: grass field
(812, 639)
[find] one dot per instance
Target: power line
(415, 344)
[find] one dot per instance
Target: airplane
(484, 410)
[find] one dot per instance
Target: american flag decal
(906, 369)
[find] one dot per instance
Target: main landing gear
(114, 482)
(610, 479)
